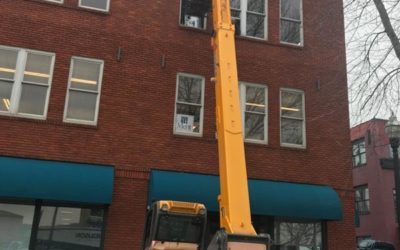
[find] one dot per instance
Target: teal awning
(53, 180)
(271, 198)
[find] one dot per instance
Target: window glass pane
(15, 226)
(255, 25)
(355, 149)
(235, 4)
(8, 61)
(65, 228)
(366, 194)
(290, 32)
(85, 75)
(81, 105)
(194, 14)
(357, 160)
(292, 104)
(305, 236)
(98, 4)
(187, 118)
(363, 159)
(189, 89)
(254, 126)
(33, 99)
(5, 95)
(361, 146)
(256, 6)
(292, 131)
(37, 68)
(290, 9)
(255, 99)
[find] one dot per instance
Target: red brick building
(373, 182)
(107, 105)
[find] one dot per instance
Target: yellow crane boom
(235, 215)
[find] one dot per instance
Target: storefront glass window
(297, 235)
(67, 228)
(15, 226)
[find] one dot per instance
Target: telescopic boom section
(235, 215)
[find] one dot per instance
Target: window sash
(300, 119)
(55, 1)
(243, 99)
(36, 215)
(359, 153)
(362, 199)
(243, 19)
(95, 8)
(200, 105)
(71, 89)
(292, 20)
(18, 82)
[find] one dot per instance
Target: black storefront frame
(269, 221)
(37, 210)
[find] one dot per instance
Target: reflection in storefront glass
(301, 235)
(15, 226)
(66, 228)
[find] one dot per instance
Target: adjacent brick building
(373, 182)
(100, 100)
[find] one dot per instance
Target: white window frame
(242, 89)
(18, 81)
(200, 133)
(183, 25)
(301, 44)
(93, 8)
(304, 119)
(243, 20)
(55, 1)
(98, 92)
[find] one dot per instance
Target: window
(286, 234)
(25, 79)
(297, 235)
(194, 14)
(102, 5)
(292, 118)
(362, 199)
(254, 112)
(55, 1)
(62, 227)
(83, 96)
(249, 17)
(51, 227)
(15, 225)
(189, 105)
(291, 22)
(359, 155)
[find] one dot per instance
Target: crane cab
(175, 225)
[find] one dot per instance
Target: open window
(194, 13)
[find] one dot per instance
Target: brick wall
(134, 131)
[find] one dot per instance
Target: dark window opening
(194, 13)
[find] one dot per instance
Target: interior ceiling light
(7, 103)
(83, 81)
(30, 73)
(255, 104)
(7, 70)
(290, 109)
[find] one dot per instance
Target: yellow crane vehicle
(179, 225)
